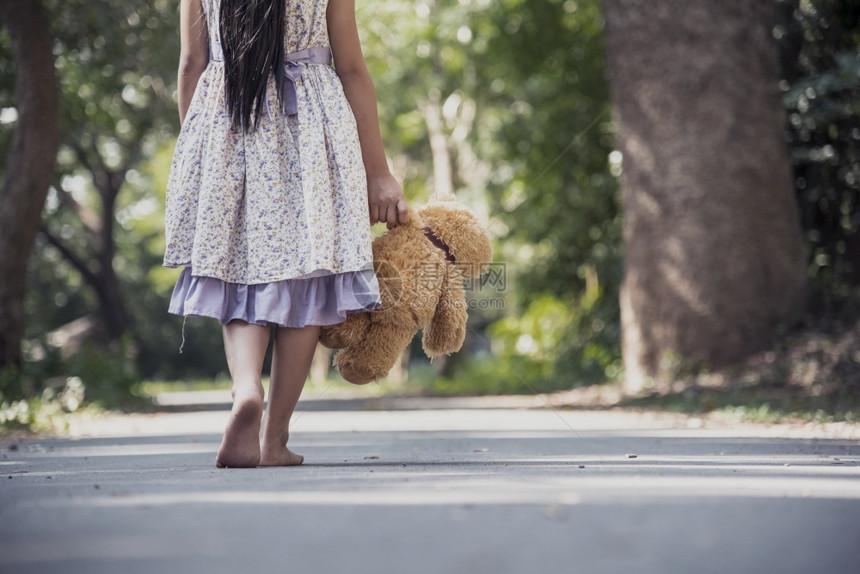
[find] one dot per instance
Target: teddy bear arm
(447, 329)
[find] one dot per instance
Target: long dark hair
(252, 37)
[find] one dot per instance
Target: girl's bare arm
(384, 194)
(194, 54)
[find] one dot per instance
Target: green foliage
(522, 354)
(485, 374)
(525, 353)
(820, 45)
(532, 73)
(48, 412)
(103, 374)
(554, 192)
(116, 62)
(33, 414)
(10, 383)
(32, 400)
(107, 374)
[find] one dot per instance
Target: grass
(41, 415)
(754, 403)
(812, 375)
(148, 390)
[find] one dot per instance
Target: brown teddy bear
(421, 267)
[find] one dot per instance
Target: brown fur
(419, 289)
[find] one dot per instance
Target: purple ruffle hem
(311, 300)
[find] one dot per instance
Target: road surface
(432, 487)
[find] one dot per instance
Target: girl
(277, 162)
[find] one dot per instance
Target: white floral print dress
(271, 225)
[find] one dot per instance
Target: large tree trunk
(30, 164)
(714, 263)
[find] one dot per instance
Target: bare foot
(279, 455)
(240, 447)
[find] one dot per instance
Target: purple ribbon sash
(294, 65)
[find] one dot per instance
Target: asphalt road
(434, 487)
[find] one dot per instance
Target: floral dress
(272, 225)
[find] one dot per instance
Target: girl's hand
(386, 201)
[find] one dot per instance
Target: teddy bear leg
(447, 329)
(445, 333)
(345, 333)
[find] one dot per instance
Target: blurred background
(522, 108)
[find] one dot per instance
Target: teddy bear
(421, 267)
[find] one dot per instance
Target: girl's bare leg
(245, 347)
(291, 362)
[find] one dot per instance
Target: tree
(820, 51)
(714, 258)
(101, 239)
(30, 163)
(117, 61)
